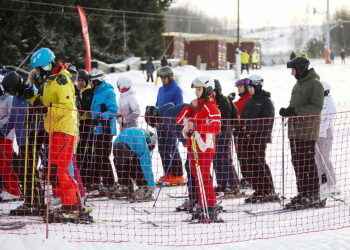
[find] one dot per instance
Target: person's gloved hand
(38, 102)
(231, 96)
(120, 120)
(285, 112)
(28, 93)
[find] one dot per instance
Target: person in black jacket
(226, 176)
(256, 133)
(149, 67)
(84, 150)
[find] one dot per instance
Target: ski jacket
(251, 126)
(254, 58)
(307, 100)
(135, 138)
(241, 101)
(245, 58)
(104, 106)
(170, 92)
(5, 112)
(128, 109)
(149, 67)
(207, 124)
(327, 115)
(59, 91)
(228, 113)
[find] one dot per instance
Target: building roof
(198, 37)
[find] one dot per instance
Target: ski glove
(28, 93)
(38, 102)
(231, 96)
(95, 121)
(285, 112)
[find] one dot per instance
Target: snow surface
(239, 225)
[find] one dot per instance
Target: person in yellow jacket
(255, 60)
(304, 54)
(60, 122)
(244, 61)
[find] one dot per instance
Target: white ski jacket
(327, 115)
(128, 110)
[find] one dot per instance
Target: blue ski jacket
(170, 92)
(135, 138)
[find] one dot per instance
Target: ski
(12, 225)
(143, 211)
(334, 197)
(177, 197)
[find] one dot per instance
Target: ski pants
(103, 165)
(323, 157)
(303, 159)
(128, 166)
(224, 170)
(204, 162)
(242, 155)
(9, 177)
(61, 152)
(168, 149)
(256, 164)
(244, 67)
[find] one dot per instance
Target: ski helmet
(165, 71)
(42, 58)
(206, 82)
(300, 64)
(151, 115)
(256, 80)
(124, 82)
(96, 76)
(218, 88)
(83, 74)
(12, 82)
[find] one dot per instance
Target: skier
(132, 158)
(304, 109)
(292, 55)
(164, 61)
(149, 67)
(85, 147)
(7, 173)
(324, 144)
(244, 61)
(226, 176)
(242, 87)
(27, 126)
(104, 107)
(254, 60)
(60, 122)
(342, 56)
(201, 121)
(169, 92)
(255, 130)
(331, 56)
(164, 119)
(129, 109)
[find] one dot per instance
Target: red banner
(84, 28)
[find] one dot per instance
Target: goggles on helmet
(245, 81)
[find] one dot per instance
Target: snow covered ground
(117, 221)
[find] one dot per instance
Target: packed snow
(118, 222)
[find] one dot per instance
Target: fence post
(283, 197)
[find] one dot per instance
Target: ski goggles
(245, 81)
(162, 74)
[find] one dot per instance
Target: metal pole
(124, 31)
(328, 42)
(238, 54)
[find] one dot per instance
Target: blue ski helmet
(42, 58)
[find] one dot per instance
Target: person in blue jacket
(29, 129)
(133, 161)
(104, 111)
(169, 92)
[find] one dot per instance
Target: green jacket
(307, 100)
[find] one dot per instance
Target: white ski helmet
(256, 80)
(326, 86)
(124, 82)
(206, 82)
(96, 76)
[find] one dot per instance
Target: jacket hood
(261, 94)
(131, 91)
(59, 67)
(310, 75)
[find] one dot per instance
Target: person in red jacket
(201, 121)
(243, 93)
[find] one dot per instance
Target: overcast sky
(258, 13)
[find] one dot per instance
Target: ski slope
(121, 221)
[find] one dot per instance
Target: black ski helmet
(300, 64)
(151, 115)
(12, 82)
(83, 74)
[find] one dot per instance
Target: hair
(205, 101)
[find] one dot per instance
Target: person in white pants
(324, 144)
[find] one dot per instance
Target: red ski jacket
(241, 102)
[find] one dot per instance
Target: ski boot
(301, 202)
(121, 192)
(212, 217)
(233, 192)
(77, 217)
(186, 206)
(142, 194)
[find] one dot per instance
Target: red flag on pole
(84, 28)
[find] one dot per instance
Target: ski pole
(34, 160)
(283, 197)
(324, 162)
(26, 157)
(200, 177)
(167, 171)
